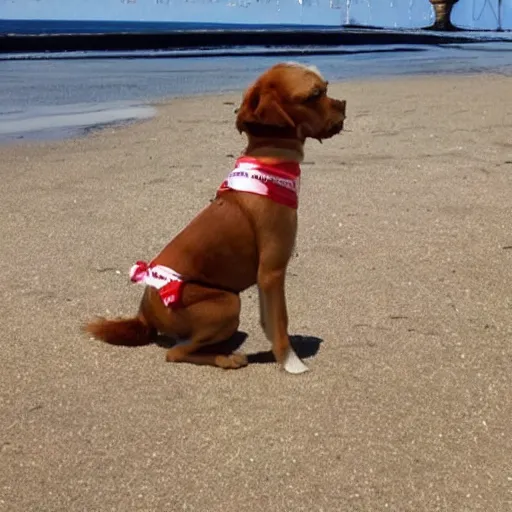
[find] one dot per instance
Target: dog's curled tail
(130, 332)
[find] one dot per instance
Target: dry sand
(401, 293)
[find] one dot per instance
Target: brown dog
(244, 237)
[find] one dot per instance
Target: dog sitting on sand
(192, 288)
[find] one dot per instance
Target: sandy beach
(399, 296)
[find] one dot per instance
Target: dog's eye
(317, 93)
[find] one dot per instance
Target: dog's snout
(340, 105)
(339, 108)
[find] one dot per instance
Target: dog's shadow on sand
(304, 346)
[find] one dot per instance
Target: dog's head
(290, 100)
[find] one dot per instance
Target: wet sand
(400, 301)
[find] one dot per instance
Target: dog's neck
(275, 149)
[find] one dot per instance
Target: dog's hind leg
(213, 320)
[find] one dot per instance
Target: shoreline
(44, 97)
(71, 121)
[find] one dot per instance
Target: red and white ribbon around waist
(168, 282)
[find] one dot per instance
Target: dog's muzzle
(337, 127)
(334, 129)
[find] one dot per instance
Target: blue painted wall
(384, 13)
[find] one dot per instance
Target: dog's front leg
(274, 319)
(263, 314)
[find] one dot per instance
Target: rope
(486, 2)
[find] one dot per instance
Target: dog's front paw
(293, 364)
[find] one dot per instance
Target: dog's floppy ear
(263, 109)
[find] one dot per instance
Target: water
(17, 26)
(59, 97)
